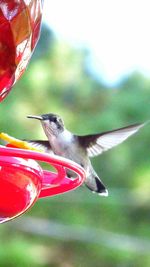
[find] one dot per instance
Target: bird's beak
(35, 117)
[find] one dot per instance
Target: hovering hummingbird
(80, 148)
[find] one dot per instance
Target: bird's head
(52, 123)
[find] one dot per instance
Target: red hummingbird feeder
(22, 180)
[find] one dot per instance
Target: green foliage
(57, 81)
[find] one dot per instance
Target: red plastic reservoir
(20, 184)
(20, 22)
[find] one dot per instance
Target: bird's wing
(98, 143)
(40, 144)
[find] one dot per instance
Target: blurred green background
(80, 228)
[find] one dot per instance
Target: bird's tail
(94, 183)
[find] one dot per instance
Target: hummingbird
(78, 148)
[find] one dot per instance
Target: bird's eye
(55, 120)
